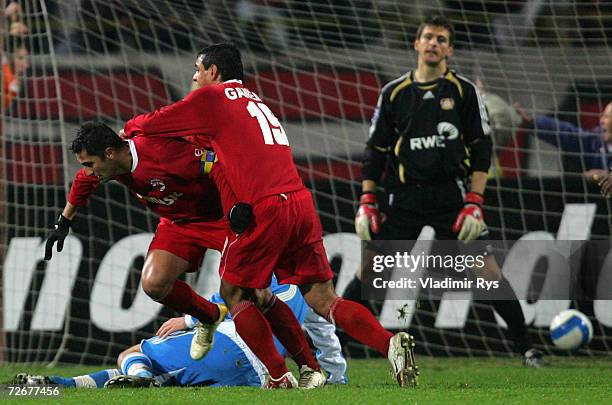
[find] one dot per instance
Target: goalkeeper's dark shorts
(436, 205)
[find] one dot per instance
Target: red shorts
(190, 240)
(286, 239)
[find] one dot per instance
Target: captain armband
(207, 160)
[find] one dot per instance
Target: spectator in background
(265, 24)
(13, 13)
(13, 69)
(606, 185)
(503, 120)
(15, 60)
(66, 34)
(595, 145)
(10, 84)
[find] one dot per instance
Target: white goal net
(319, 65)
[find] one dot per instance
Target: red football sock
(289, 332)
(360, 324)
(256, 333)
(183, 299)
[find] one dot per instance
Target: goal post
(319, 65)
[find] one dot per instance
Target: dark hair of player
(438, 21)
(94, 137)
(227, 58)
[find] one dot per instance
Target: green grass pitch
(443, 381)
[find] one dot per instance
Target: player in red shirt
(285, 235)
(173, 178)
(170, 177)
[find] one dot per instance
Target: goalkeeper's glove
(57, 234)
(470, 221)
(240, 217)
(368, 216)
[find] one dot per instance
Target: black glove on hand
(57, 234)
(240, 217)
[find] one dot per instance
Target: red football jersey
(168, 176)
(250, 142)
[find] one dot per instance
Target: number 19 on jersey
(271, 128)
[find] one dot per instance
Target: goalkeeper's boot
(131, 381)
(202, 340)
(287, 381)
(534, 358)
(401, 357)
(32, 380)
(310, 378)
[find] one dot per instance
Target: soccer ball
(571, 329)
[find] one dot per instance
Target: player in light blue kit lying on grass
(164, 360)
